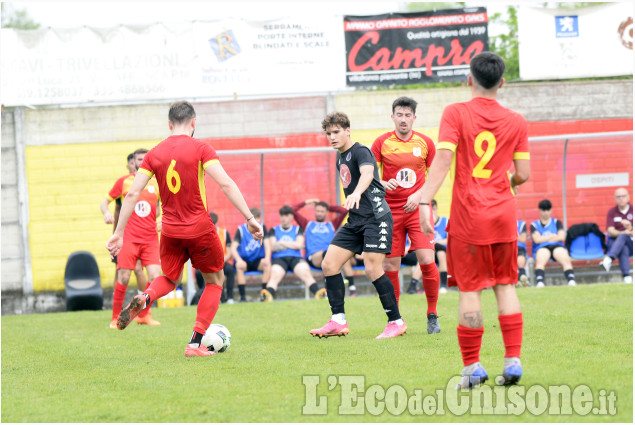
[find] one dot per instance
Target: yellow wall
(66, 184)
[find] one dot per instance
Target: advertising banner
(412, 48)
(225, 58)
(576, 43)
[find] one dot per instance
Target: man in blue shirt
(250, 255)
(548, 236)
(286, 242)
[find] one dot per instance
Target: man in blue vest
(250, 255)
(286, 242)
(548, 236)
(319, 233)
(440, 246)
(523, 280)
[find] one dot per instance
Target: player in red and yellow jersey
(180, 163)
(482, 233)
(141, 239)
(404, 157)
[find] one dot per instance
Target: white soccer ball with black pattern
(217, 338)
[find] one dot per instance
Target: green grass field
(70, 367)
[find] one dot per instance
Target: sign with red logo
(411, 48)
(345, 175)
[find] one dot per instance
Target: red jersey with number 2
(486, 138)
(178, 163)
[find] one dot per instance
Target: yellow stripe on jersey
(210, 162)
(380, 169)
(146, 172)
(446, 145)
(521, 155)
(109, 198)
(201, 181)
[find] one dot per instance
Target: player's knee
(329, 267)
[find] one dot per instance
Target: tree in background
(505, 45)
(18, 19)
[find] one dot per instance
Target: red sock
(145, 312)
(118, 295)
(207, 307)
(158, 288)
(430, 280)
(512, 329)
(470, 343)
(394, 278)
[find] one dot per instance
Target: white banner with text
(194, 60)
(576, 43)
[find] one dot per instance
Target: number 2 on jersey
(172, 174)
(480, 172)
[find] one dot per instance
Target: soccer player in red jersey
(179, 164)
(482, 231)
(403, 157)
(141, 240)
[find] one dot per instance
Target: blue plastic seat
(587, 247)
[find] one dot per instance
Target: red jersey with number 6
(141, 227)
(486, 138)
(178, 163)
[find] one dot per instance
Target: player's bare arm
(366, 177)
(229, 188)
(127, 207)
(108, 218)
(438, 170)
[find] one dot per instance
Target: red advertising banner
(412, 48)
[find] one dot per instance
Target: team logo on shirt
(142, 209)
(416, 151)
(406, 178)
(348, 157)
(345, 175)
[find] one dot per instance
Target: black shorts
(410, 259)
(370, 236)
(439, 247)
(287, 263)
(252, 266)
(551, 248)
(522, 252)
(308, 260)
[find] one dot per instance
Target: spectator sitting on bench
(548, 236)
(619, 227)
(440, 246)
(250, 255)
(319, 233)
(286, 241)
(523, 280)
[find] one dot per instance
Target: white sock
(398, 321)
(339, 318)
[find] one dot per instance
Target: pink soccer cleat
(332, 328)
(392, 330)
(200, 351)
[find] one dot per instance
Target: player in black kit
(368, 230)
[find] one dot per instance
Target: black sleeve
(300, 231)
(364, 156)
(272, 233)
(559, 225)
(237, 237)
(523, 229)
(228, 239)
(533, 229)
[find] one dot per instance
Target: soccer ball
(217, 338)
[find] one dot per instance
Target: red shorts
(205, 251)
(476, 267)
(130, 252)
(408, 223)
